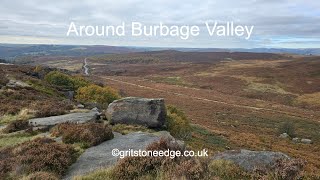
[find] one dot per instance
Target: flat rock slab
(73, 118)
(249, 160)
(100, 156)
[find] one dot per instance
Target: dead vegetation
(16, 126)
(190, 168)
(39, 97)
(88, 134)
(41, 154)
(216, 96)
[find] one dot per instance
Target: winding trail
(86, 67)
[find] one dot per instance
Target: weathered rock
(306, 141)
(72, 118)
(80, 106)
(295, 139)
(140, 111)
(95, 109)
(249, 160)
(284, 135)
(100, 156)
(16, 83)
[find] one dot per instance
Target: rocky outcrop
(100, 156)
(140, 111)
(249, 160)
(306, 141)
(72, 118)
(17, 83)
(284, 135)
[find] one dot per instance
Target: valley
(245, 98)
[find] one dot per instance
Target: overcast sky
(278, 23)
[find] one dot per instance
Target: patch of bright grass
(311, 99)
(266, 88)
(101, 174)
(203, 138)
(12, 139)
(175, 80)
(126, 129)
(39, 86)
(24, 114)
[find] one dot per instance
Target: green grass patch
(203, 138)
(101, 174)
(12, 139)
(266, 88)
(24, 114)
(311, 99)
(174, 80)
(41, 87)
(126, 129)
(304, 128)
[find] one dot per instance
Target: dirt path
(86, 67)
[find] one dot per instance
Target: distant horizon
(176, 47)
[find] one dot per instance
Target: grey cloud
(271, 18)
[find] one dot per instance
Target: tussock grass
(102, 174)
(126, 129)
(203, 138)
(172, 80)
(13, 139)
(311, 99)
(24, 114)
(266, 88)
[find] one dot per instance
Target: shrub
(43, 87)
(97, 94)
(65, 81)
(43, 154)
(135, 167)
(283, 169)
(287, 127)
(3, 80)
(226, 170)
(90, 134)
(37, 69)
(16, 126)
(60, 80)
(290, 169)
(177, 123)
(46, 109)
(79, 81)
(6, 159)
(160, 167)
(193, 169)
